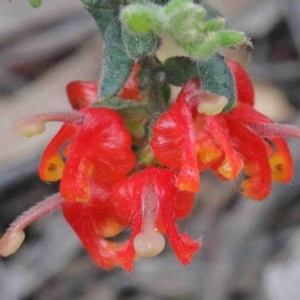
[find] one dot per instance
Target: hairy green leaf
(116, 63)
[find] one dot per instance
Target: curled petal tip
(11, 242)
(149, 244)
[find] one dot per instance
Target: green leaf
(216, 78)
(141, 19)
(35, 3)
(231, 37)
(180, 69)
(103, 4)
(118, 104)
(162, 2)
(117, 65)
(102, 17)
(139, 46)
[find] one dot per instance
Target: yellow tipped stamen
(14, 237)
(149, 242)
(11, 243)
(212, 104)
(30, 129)
(36, 124)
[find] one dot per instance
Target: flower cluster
(105, 189)
(193, 136)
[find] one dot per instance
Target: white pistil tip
(149, 244)
(10, 243)
(30, 129)
(212, 104)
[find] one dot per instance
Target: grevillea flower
(89, 154)
(151, 202)
(105, 191)
(194, 135)
(84, 93)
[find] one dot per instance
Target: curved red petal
(130, 89)
(52, 164)
(247, 114)
(101, 149)
(128, 196)
(243, 84)
(82, 93)
(251, 147)
(84, 221)
(184, 246)
(173, 144)
(281, 161)
(232, 163)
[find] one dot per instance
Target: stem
(14, 237)
(274, 130)
(157, 91)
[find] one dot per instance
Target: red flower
(89, 154)
(84, 93)
(97, 149)
(98, 154)
(191, 137)
(103, 191)
(151, 203)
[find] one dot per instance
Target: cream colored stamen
(11, 243)
(212, 104)
(149, 242)
(14, 237)
(36, 124)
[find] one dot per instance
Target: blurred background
(251, 251)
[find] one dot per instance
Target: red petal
(167, 141)
(247, 114)
(84, 221)
(243, 84)
(131, 88)
(232, 164)
(281, 161)
(190, 93)
(184, 246)
(252, 149)
(173, 144)
(127, 197)
(82, 93)
(101, 149)
(127, 200)
(52, 164)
